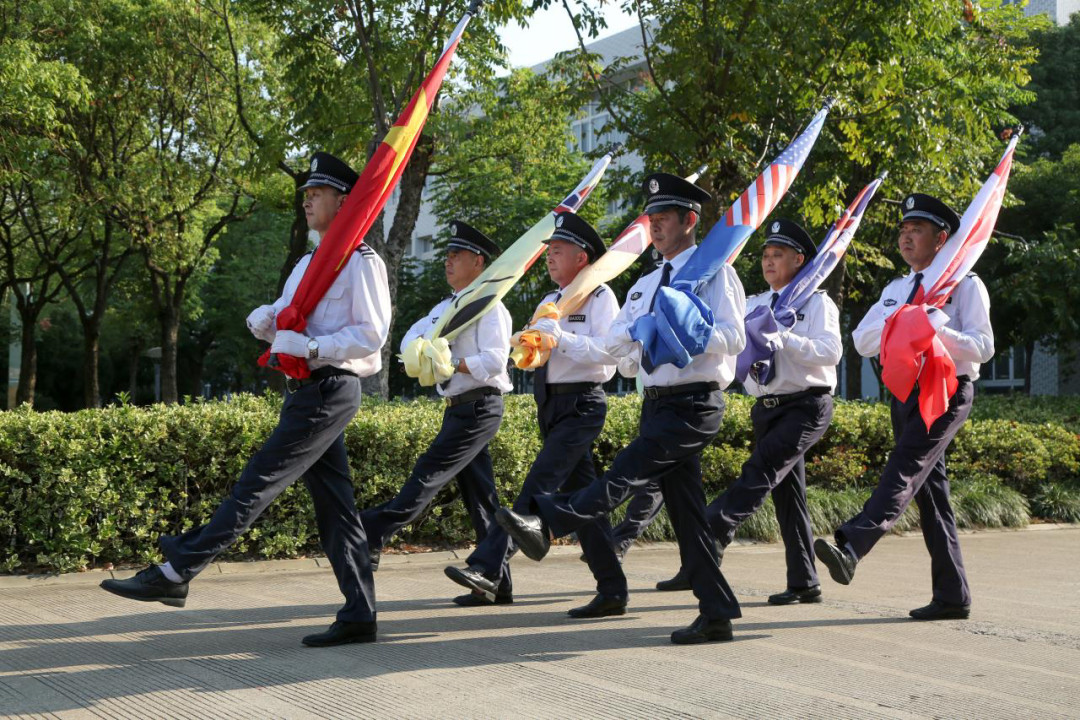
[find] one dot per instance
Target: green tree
(1054, 118)
(920, 90)
(339, 73)
(1032, 273)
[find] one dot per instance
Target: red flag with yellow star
(361, 207)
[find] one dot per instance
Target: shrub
(97, 486)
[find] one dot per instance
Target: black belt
(471, 396)
(659, 391)
(772, 401)
(294, 384)
(567, 388)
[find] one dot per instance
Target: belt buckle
(652, 393)
(770, 402)
(292, 384)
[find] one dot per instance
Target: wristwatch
(455, 362)
(312, 349)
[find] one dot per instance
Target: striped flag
(910, 348)
(362, 206)
(728, 236)
(675, 319)
(763, 324)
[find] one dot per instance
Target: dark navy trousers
(308, 441)
(569, 424)
(782, 435)
(674, 431)
(916, 470)
(460, 450)
(642, 509)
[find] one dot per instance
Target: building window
(424, 245)
(1005, 372)
(589, 129)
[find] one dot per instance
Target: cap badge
(559, 221)
(776, 227)
(654, 186)
(314, 164)
(910, 203)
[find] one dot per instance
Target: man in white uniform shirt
(680, 416)
(571, 407)
(474, 407)
(792, 412)
(345, 334)
(916, 466)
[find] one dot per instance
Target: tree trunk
(91, 359)
(28, 361)
(133, 371)
(170, 335)
(853, 370)
(298, 234)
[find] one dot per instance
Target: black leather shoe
(530, 532)
(791, 595)
(343, 633)
(938, 610)
(600, 606)
(474, 580)
(703, 630)
(475, 599)
(840, 563)
(376, 555)
(681, 581)
(149, 585)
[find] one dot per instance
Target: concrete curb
(391, 561)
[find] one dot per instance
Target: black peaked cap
(918, 206)
(664, 191)
(330, 171)
(571, 228)
(790, 234)
(464, 236)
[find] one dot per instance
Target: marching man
(916, 466)
(793, 409)
(345, 334)
(474, 408)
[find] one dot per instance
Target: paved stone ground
(68, 649)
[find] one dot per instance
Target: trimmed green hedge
(82, 489)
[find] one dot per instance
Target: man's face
(919, 242)
(779, 264)
(321, 204)
(564, 261)
(670, 235)
(462, 267)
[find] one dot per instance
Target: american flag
(728, 236)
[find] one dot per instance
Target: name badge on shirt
(889, 303)
(576, 318)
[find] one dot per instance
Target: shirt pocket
(333, 305)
